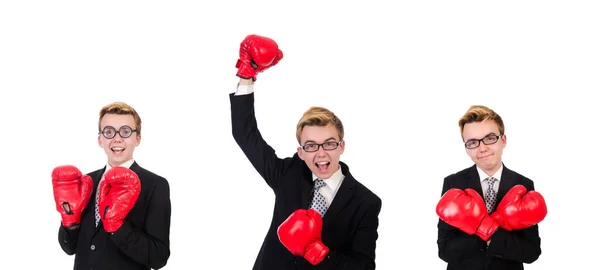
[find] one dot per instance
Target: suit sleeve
(454, 244)
(247, 136)
(68, 239)
(362, 253)
(516, 245)
(149, 247)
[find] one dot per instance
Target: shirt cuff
(244, 89)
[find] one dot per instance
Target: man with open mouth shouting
(323, 217)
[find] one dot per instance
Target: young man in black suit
(117, 217)
(488, 213)
(323, 217)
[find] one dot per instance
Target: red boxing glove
(466, 211)
(72, 192)
(520, 209)
(119, 191)
(300, 233)
(257, 53)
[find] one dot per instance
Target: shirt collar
(483, 175)
(332, 181)
(126, 164)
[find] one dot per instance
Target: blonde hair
(122, 109)
(319, 116)
(479, 113)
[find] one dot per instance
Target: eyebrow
(311, 141)
(491, 133)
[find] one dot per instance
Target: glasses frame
(117, 131)
(320, 145)
(479, 141)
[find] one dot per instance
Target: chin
(324, 175)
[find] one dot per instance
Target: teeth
(118, 148)
(322, 163)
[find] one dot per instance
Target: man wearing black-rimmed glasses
(117, 217)
(488, 213)
(323, 217)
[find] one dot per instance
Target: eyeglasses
(313, 147)
(490, 139)
(110, 132)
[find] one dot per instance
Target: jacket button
(92, 247)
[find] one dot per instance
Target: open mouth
(117, 150)
(323, 166)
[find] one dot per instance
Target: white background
(398, 76)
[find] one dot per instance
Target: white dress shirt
(332, 185)
(244, 89)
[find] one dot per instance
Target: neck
(491, 172)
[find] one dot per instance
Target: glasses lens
(311, 147)
(490, 139)
(125, 131)
(330, 145)
(472, 144)
(109, 132)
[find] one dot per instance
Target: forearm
(361, 253)
(346, 260)
(67, 238)
(522, 246)
(142, 247)
(245, 82)
(454, 244)
(246, 134)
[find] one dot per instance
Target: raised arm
(256, 55)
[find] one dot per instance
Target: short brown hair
(122, 109)
(479, 113)
(319, 116)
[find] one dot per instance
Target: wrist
(246, 72)
(487, 228)
(71, 220)
(501, 221)
(73, 227)
(112, 226)
(316, 252)
(246, 81)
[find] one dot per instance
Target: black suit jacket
(508, 250)
(349, 225)
(141, 243)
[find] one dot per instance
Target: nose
(117, 137)
(483, 148)
(321, 152)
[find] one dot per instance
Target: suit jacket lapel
(92, 204)
(343, 195)
(306, 186)
(507, 181)
(474, 181)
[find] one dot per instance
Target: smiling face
(321, 149)
(120, 129)
(118, 149)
